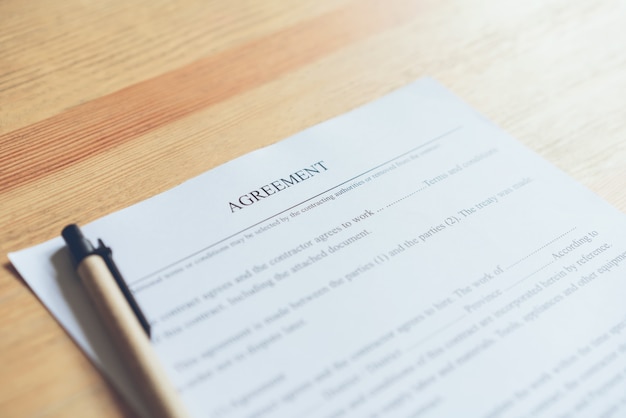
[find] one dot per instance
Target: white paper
(406, 259)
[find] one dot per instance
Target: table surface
(103, 104)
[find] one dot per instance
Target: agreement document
(405, 259)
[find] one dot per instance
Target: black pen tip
(79, 246)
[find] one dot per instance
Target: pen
(125, 322)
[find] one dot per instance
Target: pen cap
(79, 246)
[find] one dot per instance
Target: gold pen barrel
(160, 396)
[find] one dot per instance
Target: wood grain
(103, 104)
(135, 110)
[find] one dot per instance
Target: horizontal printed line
(174, 263)
(540, 248)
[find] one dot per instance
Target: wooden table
(103, 104)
